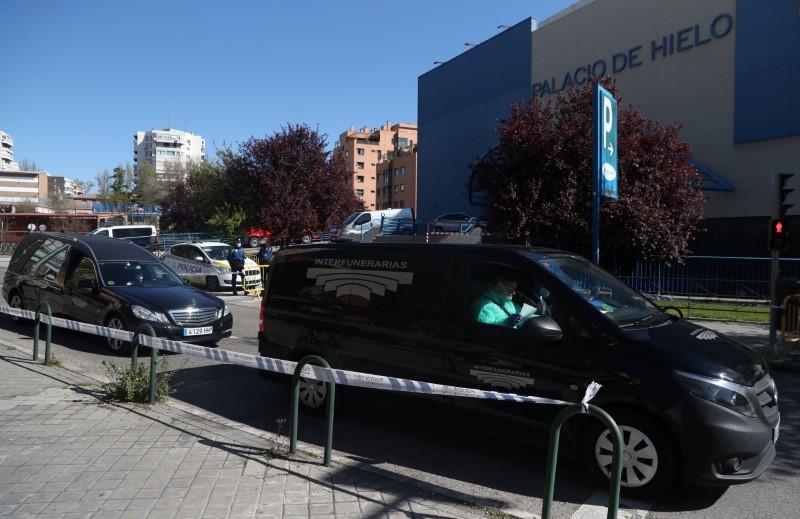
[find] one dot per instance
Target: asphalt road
(471, 462)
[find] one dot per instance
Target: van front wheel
(649, 465)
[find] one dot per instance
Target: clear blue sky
(80, 77)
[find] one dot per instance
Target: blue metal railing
(706, 276)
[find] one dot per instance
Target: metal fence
(707, 276)
(721, 287)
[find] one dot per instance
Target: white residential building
(160, 148)
(7, 153)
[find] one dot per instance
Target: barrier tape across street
(287, 367)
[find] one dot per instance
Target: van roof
(104, 248)
(536, 252)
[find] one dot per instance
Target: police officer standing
(236, 261)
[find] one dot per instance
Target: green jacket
(493, 309)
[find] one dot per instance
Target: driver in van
(496, 305)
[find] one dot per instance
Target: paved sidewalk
(65, 453)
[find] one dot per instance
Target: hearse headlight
(222, 312)
(148, 315)
(721, 392)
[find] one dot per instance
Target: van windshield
(138, 274)
(217, 252)
(352, 217)
(607, 294)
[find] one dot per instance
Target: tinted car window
(385, 290)
(23, 252)
(182, 251)
(46, 260)
(138, 274)
(132, 232)
(104, 232)
(83, 271)
(364, 218)
(217, 252)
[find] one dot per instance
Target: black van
(113, 283)
(692, 404)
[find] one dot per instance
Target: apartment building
(162, 148)
(397, 178)
(7, 153)
(28, 187)
(364, 149)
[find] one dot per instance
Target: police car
(206, 264)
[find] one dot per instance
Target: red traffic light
(778, 227)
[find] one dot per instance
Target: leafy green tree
(148, 189)
(189, 204)
(227, 220)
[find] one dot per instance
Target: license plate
(205, 330)
(776, 431)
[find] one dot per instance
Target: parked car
(692, 404)
(361, 222)
(254, 235)
(452, 222)
(143, 235)
(108, 282)
(206, 264)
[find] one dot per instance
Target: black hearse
(692, 404)
(114, 283)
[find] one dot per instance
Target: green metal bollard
(148, 330)
(296, 404)
(552, 457)
(49, 336)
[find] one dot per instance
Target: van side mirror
(542, 329)
(87, 284)
(199, 258)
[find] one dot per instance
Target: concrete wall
(460, 102)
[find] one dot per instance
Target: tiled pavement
(65, 453)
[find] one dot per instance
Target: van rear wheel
(649, 466)
(253, 242)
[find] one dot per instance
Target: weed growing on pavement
(129, 385)
(54, 362)
(494, 513)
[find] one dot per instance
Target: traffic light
(778, 230)
(778, 234)
(783, 194)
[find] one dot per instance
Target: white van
(360, 222)
(138, 234)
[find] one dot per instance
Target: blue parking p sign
(605, 141)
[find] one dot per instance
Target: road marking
(595, 508)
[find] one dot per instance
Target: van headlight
(148, 315)
(721, 392)
(222, 270)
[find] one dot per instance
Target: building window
(360, 192)
(360, 151)
(402, 187)
(402, 171)
(402, 203)
(360, 179)
(359, 165)
(395, 189)
(379, 154)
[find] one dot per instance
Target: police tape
(287, 367)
